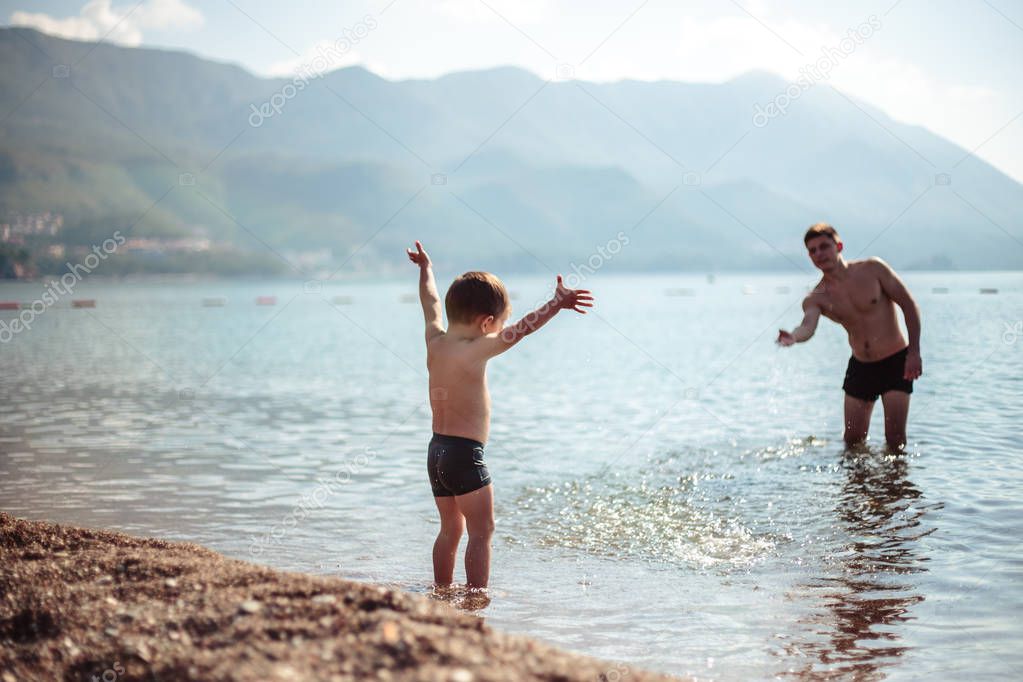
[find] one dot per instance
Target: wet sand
(82, 604)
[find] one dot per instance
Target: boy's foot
(476, 599)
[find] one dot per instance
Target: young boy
(477, 307)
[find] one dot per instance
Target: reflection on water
(868, 590)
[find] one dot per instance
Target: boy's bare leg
(896, 412)
(857, 420)
(445, 547)
(478, 509)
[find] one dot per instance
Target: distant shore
(78, 603)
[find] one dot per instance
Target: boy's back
(458, 387)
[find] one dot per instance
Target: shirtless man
(861, 296)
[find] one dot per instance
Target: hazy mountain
(494, 168)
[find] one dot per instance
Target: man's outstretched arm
(897, 291)
(428, 295)
(806, 329)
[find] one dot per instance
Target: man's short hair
(821, 230)
(474, 294)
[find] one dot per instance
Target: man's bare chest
(851, 300)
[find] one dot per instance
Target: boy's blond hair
(474, 294)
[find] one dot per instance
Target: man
(861, 296)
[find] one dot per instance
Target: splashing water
(646, 517)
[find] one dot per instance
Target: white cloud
(710, 48)
(167, 14)
(123, 25)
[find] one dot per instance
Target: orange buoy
(266, 300)
(84, 303)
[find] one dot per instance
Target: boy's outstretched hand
(571, 299)
(419, 256)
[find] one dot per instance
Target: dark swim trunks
(456, 465)
(868, 380)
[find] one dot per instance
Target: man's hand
(785, 338)
(571, 299)
(419, 256)
(806, 329)
(914, 366)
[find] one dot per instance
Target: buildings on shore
(17, 226)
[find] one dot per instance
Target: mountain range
(495, 169)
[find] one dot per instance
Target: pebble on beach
(78, 603)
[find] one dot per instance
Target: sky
(952, 66)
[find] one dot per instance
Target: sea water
(671, 487)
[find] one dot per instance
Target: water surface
(672, 491)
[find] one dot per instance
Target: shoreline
(82, 603)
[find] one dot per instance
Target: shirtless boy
(477, 307)
(861, 296)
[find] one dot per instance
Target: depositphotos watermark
(61, 287)
(601, 255)
(815, 72)
(110, 674)
(327, 56)
(325, 488)
(1012, 333)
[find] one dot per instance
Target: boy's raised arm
(564, 299)
(428, 295)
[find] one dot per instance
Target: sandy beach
(79, 603)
